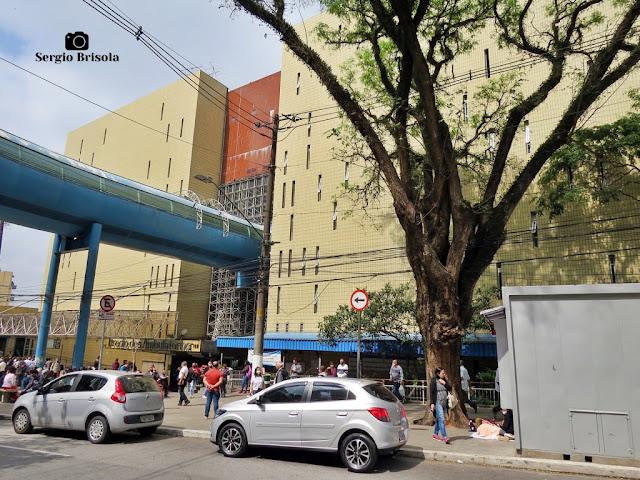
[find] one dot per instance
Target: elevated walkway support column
(87, 292)
(49, 295)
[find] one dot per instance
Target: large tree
(424, 149)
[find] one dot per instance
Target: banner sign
(155, 344)
(268, 358)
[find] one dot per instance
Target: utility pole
(265, 256)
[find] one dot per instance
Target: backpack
(191, 376)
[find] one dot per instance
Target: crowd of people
(21, 375)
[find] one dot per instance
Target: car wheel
(359, 453)
(22, 421)
(147, 431)
(232, 440)
(97, 429)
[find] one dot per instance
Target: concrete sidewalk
(189, 421)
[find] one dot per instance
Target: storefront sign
(155, 344)
(268, 358)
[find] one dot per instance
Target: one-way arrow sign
(359, 300)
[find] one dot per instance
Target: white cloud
(203, 32)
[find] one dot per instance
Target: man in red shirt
(212, 381)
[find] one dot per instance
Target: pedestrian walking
(163, 382)
(396, 375)
(182, 382)
(212, 381)
(192, 378)
(465, 383)
(438, 392)
(342, 369)
(296, 369)
(257, 382)
(281, 373)
(225, 380)
(96, 364)
(246, 377)
(115, 365)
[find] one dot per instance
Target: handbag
(452, 400)
(401, 391)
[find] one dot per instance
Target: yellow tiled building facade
(162, 140)
(326, 247)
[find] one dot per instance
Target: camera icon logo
(76, 41)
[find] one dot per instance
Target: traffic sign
(106, 315)
(359, 300)
(107, 303)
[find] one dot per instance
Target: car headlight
(219, 412)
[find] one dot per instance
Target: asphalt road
(60, 455)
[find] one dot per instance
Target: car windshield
(137, 384)
(380, 392)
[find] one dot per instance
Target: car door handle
(92, 399)
(293, 414)
(342, 414)
(61, 400)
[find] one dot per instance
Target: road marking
(30, 450)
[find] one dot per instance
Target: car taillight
(380, 413)
(119, 395)
(404, 413)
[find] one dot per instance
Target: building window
(315, 299)
(171, 281)
(166, 274)
(319, 187)
(286, 328)
(527, 136)
(277, 327)
(81, 144)
(169, 169)
(317, 266)
(278, 306)
(104, 139)
(335, 215)
(291, 228)
(309, 125)
(602, 180)
(284, 194)
(465, 108)
(157, 275)
(280, 264)
(289, 264)
(301, 327)
(285, 163)
(162, 111)
(168, 128)
(534, 229)
(73, 287)
(151, 278)
(181, 186)
(308, 156)
(346, 174)
(148, 169)
(487, 64)
(92, 155)
(293, 192)
(304, 261)
(298, 85)
(181, 127)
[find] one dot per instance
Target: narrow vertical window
(304, 261)
(181, 127)
(602, 180)
(319, 187)
(499, 278)
(277, 325)
(166, 274)
(278, 306)
(171, 281)
(157, 275)
(335, 215)
(181, 186)
(169, 168)
(339, 33)
(73, 287)
(465, 107)
(308, 156)
(487, 64)
(280, 264)
(301, 327)
(317, 266)
(612, 267)
(286, 327)
(81, 144)
(291, 228)
(453, 75)
(527, 136)
(162, 111)
(534, 229)
(492, 142)
(315, 299)
(289, 264)
(346, 174)
(92, 156)
(309, 125)
(166, 189)
(284, 194)
(169, 303)
(285, 163)
(293, 192)
(151, 278)
(168, 128)
(148, 169)
(298, 85)
(570, 173)
(104, 139)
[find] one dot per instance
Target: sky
(231, 46)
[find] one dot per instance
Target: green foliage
(483, 298)
(390, 312)
(600, 164)
(486, 375)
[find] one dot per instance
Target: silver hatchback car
(99, 402)
(360, 419)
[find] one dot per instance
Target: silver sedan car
(360, 419)
(99, 402)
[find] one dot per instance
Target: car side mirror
(257, 401)
(41, 391)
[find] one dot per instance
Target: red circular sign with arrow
(359, 300)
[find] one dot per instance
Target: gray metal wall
(570, 370)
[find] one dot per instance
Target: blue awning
(473, 345)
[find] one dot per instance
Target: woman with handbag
(438, 392)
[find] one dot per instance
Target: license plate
(147, 418)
